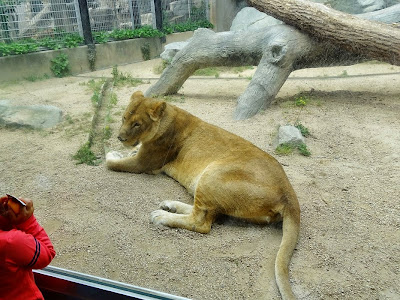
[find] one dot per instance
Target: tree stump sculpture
(280, 49)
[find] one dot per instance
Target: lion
(226, 174)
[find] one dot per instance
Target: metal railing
(57, 283)
(38, 19)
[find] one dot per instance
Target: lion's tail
(290, 228)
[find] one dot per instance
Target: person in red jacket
(24, 245)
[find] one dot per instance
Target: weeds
(176, 99)
(207, 72)
(288, 148)
(95, 87)
(120, 79)
(303, 150)
(303, 130)
(145, 51)
(284, 149)
(60, 65)
(85, 155)
(34, 78)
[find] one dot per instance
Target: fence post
(86, 28)
(158, 12)
(87, 33)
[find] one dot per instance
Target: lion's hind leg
(198, 220)
(176, 207)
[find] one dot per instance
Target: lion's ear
(157, 110)
(137, 95)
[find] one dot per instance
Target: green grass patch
(303, 130)
(120, 79)
(303, 150)
(85, 155)
(95, 86)
(207, 72)
(34, 78)
(176, 99)
(60, 65)
(288, 148)
(284, 149)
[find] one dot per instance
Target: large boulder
(31, 116)
(250, 18)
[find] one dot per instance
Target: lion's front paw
(113, 155)
(168, 206)
(159, 217)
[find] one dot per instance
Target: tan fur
(225, 173)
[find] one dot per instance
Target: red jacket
(23, 248)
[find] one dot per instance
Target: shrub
(60, 65)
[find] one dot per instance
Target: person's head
(13, 218)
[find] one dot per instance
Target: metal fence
(36, 19)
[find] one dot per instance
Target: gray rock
(171, 49)
(371, 5)
(179, 8)
(31, 116)
(250, 18)
(290, 135)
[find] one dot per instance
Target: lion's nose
(121, 139)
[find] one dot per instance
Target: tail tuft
(290, 228)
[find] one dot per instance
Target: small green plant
(72, 40)
(107, 132)
(301, 101)
(120, 79)
(145, 51)
(50, 43)
(100, 37)
(303, 150)
(34, 78)
(189, 25)
(95, 87)
(142, 32)
(113, 99)
(303, 130)
(60, 65)
(22, 47)
(284, 149)
(288, 148)
(344, 74)
(86, 156)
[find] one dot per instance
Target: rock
(179, 8)
(171, 49)
(250, 18)
(147, 19)
(371, 5)
(289, 134)
(31, 116)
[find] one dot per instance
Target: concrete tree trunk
(375, 40)
(277, 50)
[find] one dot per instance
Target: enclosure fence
(36, 19)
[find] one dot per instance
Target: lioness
(225, 173)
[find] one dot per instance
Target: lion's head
(141, 120)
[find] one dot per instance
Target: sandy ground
(348, 189)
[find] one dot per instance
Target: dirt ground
(348, 188)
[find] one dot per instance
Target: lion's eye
(135, 125)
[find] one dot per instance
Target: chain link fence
(54, 19)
